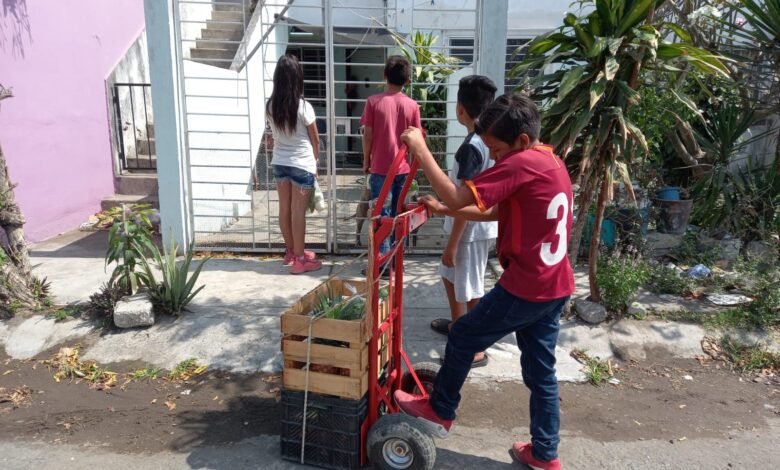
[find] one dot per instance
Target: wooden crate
(336, 370)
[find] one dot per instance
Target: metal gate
(227, 51)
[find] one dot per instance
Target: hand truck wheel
(426, 372)
(398, 442)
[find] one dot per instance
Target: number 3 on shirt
(548, 257)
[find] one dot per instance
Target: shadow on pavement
(447, 459)
(244, 417)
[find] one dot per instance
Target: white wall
(132, 68)
(189, 32)
(229, 190)
(346, 12)
(456, 131)
(537, 17)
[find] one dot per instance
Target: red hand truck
(389, 438)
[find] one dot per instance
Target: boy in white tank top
(465, 257)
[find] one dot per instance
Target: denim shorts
(301, 179)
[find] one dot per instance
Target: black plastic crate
(332, 429)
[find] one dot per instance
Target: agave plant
(757, 25)
(596, 59)
(177, 287)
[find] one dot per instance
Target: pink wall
(55, 131)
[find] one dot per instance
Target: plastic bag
(316, 199)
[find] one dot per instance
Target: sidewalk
(233, 324)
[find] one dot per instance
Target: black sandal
(480, 363)
(441, 325)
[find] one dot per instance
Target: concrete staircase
(138, 185)
(219, 40)
(133, 188)
(145, 158)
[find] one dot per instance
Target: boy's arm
(453, 196)
(471, 212)
(368, 138)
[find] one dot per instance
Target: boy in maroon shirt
(384, 118)
(529, 192)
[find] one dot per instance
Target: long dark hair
(282, 107)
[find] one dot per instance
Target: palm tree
(757, 27)
(20, 288)
(596, 59)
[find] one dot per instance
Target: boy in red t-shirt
(384, 118)
(529, 192)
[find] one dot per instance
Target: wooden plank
(346, 387)
(295, 321)
(323, 354)
(305, 304)
(326, 328)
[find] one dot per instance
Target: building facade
(56, 130)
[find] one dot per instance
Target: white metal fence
(227, 50)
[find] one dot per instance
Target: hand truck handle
(391, 174)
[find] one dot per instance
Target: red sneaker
(302, 265)
(420, 408)
(289, 257)
(522, 452)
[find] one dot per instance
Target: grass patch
(67, 366)
(148, 373)
(15, 306)
(597, 372)
(64, 313)
(186, 369)
(746, 358)
(687, 316)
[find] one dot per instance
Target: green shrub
(41, 287)
(102, 303)
(764, 288)
(127, 239)
(760, 282)
(663, 279)
(764, 311)
(619, 278)
(175, 290)
(690, 253)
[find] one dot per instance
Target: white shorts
(468, 275)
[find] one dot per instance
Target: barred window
(463, 49)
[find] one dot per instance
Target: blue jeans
(536, 325)
(376, 182)
(299, 178)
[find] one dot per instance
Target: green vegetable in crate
(337, 307)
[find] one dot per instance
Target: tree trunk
(15, 271)
(583, 204)
(686, 147)
(593, 253)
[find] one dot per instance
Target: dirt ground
(652, 401)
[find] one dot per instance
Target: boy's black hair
(509, 116)
(475, 93)
(398, 70)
